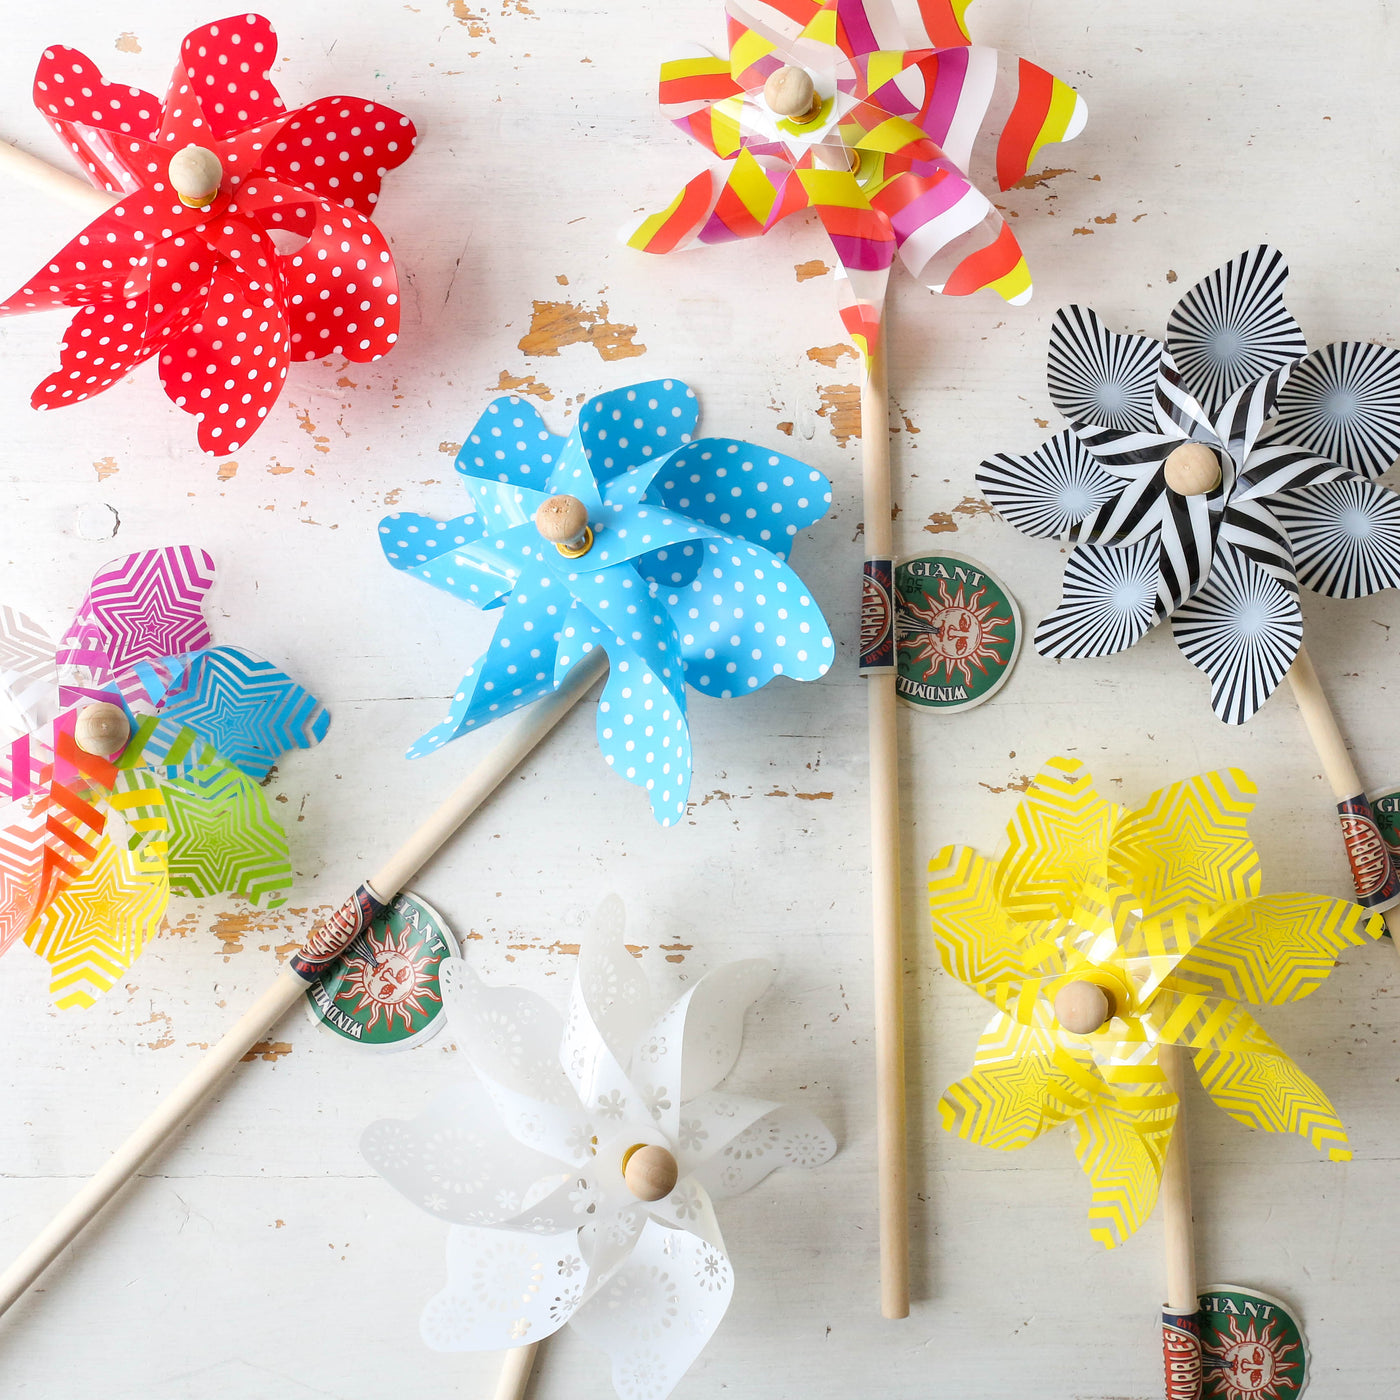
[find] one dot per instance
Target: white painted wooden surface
(258, 1259)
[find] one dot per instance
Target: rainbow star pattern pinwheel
(529, 1161)
(92, 845)
(905, 108)
(1160, 909)
(281, 263)
(684, 579)
(1281, 451)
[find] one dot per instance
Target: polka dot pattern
(240, 303)
(672, 596)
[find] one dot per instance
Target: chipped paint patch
(227, 471)
(271, 1051)
(785, 428)
(277, 469)
(1020, 784)
(840, 406)
(128, 43)
(974, 505)
(801, 796)
(391, 498)
(807, 270)
(829, 354)
(105, 468)
(940, 523)
(319, 441)
(450, 448)
(1037, 178)
(524, 384)
(164, 1038)
(475, 24)
(555, 324)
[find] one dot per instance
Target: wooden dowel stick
(1176, 1193)
(179, 1105)
(40, 175)
(888, 955)
(515, 1372)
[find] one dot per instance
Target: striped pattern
(1232, 327)
(1243, 629)
(1109, 601)
(28, 678)
(1345, 536)
(1050, 492)
(1121, 1147)
(909, 104)
(1099, 378)
(1343, 403)
(1055, 842)
(976, 940)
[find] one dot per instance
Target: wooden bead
(1193, 469)
(650, 1172)
(562, 520)
(1081, 1007)
(101, 729)
(195, 175)
(791, 93)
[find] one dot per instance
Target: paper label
(1372, 866)
(1252, 1347)
(876, 616)
(383, 990)
(325, 943)
(1181, 1355)
(958, 632)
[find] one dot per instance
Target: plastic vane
(1156, 915)
(679, 571)
(580, 1168)
(1203, 479)
(93, 840)
(241, 240)
(894, 115)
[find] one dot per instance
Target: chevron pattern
(977, 943)
(1056, 839)
(96, 928)
(1121, 1146)
(28, 678)
(1273, 949)
(1189, 844)
(224, 838)
(248, 709)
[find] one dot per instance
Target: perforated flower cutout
(903, 108)
(264, 254)
(579, 1168)
(1152, 919)
(97, 832)
(1203, 479)
(680, 574)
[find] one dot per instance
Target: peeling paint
(391, 498)
(227, 471)
(829, 354)
(802, 796)
(940, 523)
(524, 384)
(841, 408)
(1036, 178)
(785, 428)
(318, 440)
(555, 324)
(269, 1050)
(106, 467)
(1020, 784)
(164, 1038)
(128, 43)
(807, 270)
(450, 448)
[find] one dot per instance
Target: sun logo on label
(395, 978)
(1250, 1364)
(952, 632)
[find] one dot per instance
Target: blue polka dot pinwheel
(634, 539)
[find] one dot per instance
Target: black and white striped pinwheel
(1203, 479)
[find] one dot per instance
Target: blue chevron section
(245, 707)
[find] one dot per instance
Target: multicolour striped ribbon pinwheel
(1114, 944)
(240, 239)
(874, 117)
(131, 766)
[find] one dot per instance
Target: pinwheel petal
(1243, 629)
(1056, 841)
(1121, 1146)
(709, 1122)
(1342, 402)
(1189, 845)
(643, 734)
(1055, 492)
(673, 1283)
(1345, 536)
(1272, 949)
(1242, 416)
(610, 983)
(100, 347)
(1109, 600)
(644, 635)
(92, 267)
(691, 89)
(786, 1137)
(99, 923)
(510, 445)
(737, 487)
(504, 1289)
(746, 618)
(578, 637)
(249, 710)
(628, 428)
(977, 940)
(628, 532)
(453, 555)
(224, 838)
(28, 676)
(1099, 379)
(341, 148)
(1232, 327)
(228, 64)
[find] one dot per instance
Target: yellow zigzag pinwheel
(1160, 910)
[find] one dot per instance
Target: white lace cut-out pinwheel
(130, 769)
(667, 551)
(232, 235)
(1203, 479)
(580, 1167)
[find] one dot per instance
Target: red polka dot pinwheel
(240, 238)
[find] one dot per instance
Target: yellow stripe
(653, 224)
(837, 188)
(822, 26)
(1013, 284)
(881, 67)
(894, 134)
(748, 49)
(754, 188)
(725, 130)
(706, 66)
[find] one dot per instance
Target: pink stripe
(850, 14)
(929, 205)
(949, 71)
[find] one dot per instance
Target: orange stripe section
(984, 266)
(1018, 137)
